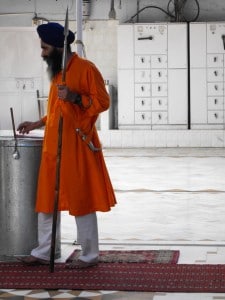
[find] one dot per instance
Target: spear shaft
(64, 58)
(56, 200)
(59, 151)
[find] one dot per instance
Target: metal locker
(142, 104)
(143, 118)
(156, 95)
(159, 61)
(215, 103)
(125, 49)
(215, 37)
(215, 60)
(159, 75)
(197, 45)
(159, 104)
(159, 118)
(149, 38)
(215, 117)
(142, 75)
(198, 95)
(177, 96)
(126, 97)
(177, 47)
(159, 89)
(142, 61)
(215, 88)
(142, 90)
(207, 78)
(215, 75)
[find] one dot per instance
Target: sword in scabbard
(59, 150)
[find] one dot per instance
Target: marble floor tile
(167, 199)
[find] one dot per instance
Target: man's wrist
(75, 98)
(40, 123)
(78, 99)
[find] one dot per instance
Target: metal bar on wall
(189, 75)
(79, 16)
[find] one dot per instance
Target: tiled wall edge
(162, 138)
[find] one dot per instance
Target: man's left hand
(65, 94)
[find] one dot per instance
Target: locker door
(126, 97)
(215, 43)
(198, 96)
(142, 62)
(150, 38)
(125, 49)
(198, 45)
(177, 45)
(177, 96)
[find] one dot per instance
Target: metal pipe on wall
(138, 8)
(79, 16)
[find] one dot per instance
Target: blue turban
(53, 34)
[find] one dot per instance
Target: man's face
(53, 58)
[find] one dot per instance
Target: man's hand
(27, 126)
(65, 94)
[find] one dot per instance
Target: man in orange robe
(85, 186)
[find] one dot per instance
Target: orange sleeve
(98, 99)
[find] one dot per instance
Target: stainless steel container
(18, 184)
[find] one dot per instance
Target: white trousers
(87, 233)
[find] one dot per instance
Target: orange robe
(85, 186)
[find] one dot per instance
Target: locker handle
(160, 102)
(160, 74)
(216, 87)
(142, 88)
(216, 116)
(215, 59)
(159, 88)
(160, 117)
(143, 116)
(216, 73)
(223, 38)
(146, 38)
(142, 102)
(215, 101)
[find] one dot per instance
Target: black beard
(54, 62)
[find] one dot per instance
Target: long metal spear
(59, 150)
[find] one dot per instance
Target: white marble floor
(167, 199)
(170, 198)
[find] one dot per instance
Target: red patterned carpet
(117, 276)
(137, 256)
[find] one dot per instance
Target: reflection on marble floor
(167, 199)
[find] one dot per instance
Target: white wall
(99, 32)
(211, 10)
